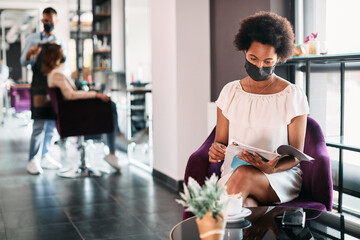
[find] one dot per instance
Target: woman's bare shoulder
(281, 83)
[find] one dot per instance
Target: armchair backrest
(82, 116)
(317, 180)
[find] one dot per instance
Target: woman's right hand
(103, 97)
(217, 152)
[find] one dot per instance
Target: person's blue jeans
(43, 131)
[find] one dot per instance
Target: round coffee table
(265, 222)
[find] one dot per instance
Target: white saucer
(244, 213)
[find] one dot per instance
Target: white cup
(234, 205)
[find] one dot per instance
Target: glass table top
(265, 223)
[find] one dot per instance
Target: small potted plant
(206, 203)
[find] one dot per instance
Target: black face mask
(48, 27)
(258, 74)
(63, 59)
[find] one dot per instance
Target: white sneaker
(34, 167)
(48, 162)
(112, 160)
(138, 138)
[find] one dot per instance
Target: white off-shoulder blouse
(261, 120)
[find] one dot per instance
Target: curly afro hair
(266, 28)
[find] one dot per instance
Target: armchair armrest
(198, 166)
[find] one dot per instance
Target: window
(342, 32)
(335, 21)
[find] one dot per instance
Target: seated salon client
(261, 110)
(51, 67)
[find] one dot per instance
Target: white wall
(181, 81)
(163, 42)
(138, 40)
(117, 36)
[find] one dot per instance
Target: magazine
(232, 151)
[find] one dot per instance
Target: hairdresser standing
(41, 110)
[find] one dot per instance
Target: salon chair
(317, 187)
(81, 117)
(20, 97)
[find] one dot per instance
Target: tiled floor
(126, 205)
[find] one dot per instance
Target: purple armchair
(20, 97)
(80, 118)
(317, 187)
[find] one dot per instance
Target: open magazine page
(233, 155)
(266, 155)
(291, 151)
(234, 149)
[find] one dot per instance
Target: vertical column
(341, 162)
(79, 45)
(117, 36)
(307, 80)
(181, 81)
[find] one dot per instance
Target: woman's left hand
(255, 160)
(103, 97)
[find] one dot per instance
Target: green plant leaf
(201, 199)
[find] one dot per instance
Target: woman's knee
(243, 173)
(250, 202)
(241, 176)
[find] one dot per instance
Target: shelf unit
(137, 110)
(101, 32)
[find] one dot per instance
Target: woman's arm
(217, 149)
(296, 135)
(59, 80)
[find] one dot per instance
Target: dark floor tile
(140, 237)
(161, 221)
(26, 203)
(22, 182)
(135, 193)
(151, 205)
(129, 194)
(95, 212)
(111, 228)
(30, 218)
(50, 231)
(2, 236)
(164, 235)
(24, 192)
(34, 186)
(7, 181)
(126, 179)
(82, 198)
(2, 225)
(65, 185)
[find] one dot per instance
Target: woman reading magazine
(264, 111)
